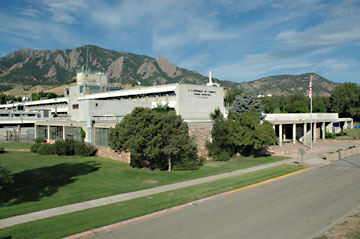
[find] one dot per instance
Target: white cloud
(298, 65)
(339, 70)
(30, 12)
(339, 25)
(196, 61)
(331, 33)
(254, 67)
(170, 24)
(30, 32)
(64, 11)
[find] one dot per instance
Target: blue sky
(237, 40)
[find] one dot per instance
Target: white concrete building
(91, 107)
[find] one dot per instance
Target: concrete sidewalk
(315, 157)
(11, 221)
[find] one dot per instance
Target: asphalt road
(298, 206)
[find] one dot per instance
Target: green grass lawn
(69, 224)
(16, 145)
(42, 182)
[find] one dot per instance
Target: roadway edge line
(175, 208)
(267, 181)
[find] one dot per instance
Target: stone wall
(107, 152)
(201, 135)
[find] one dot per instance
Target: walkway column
(305, 131)
(323, 130)
(63, 132)
(48, 132)
(314, 133)
(35, 134)
(352, 124)
(280, 134)
(331, 127)
(294, 133)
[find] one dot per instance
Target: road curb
(175, 208)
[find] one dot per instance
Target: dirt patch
(348, 229)
(150, 181)
(20, 150)
(213, 163)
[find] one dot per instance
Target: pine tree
(245, 102)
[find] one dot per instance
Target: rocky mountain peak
(166, 66)
(29, 67)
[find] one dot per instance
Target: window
(101, 136)
(56, 132)
(41, 131)
(73, 133)
(68, 91)
(81, 89)
(94, 89)
(75, 106)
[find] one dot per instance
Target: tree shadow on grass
(32, 185)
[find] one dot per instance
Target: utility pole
(311, 126)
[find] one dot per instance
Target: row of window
(95, 89)
(92, 89)
(56, 133)
(143, 96)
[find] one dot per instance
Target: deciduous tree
(240, 133)
(345, 99)
(156, 139)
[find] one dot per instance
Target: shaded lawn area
(43, 182)
(16, 145)
(69, 224)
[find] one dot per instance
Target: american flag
(310, 89)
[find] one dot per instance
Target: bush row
(63, 148)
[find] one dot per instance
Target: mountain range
(27, 68)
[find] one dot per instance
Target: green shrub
(330, 135)
(83, 135)
(46, 149)
(65, 147)
(84, 149)
(40, 140)
(35, 147)
(2, 150)
(188, 164)
(222, 156)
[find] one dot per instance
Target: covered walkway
(295, 127)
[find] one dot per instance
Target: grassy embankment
(68, 224)
(16, 145)
(43, 182)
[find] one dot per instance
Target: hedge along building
(93, 107)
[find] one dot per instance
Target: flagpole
(311, 126)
